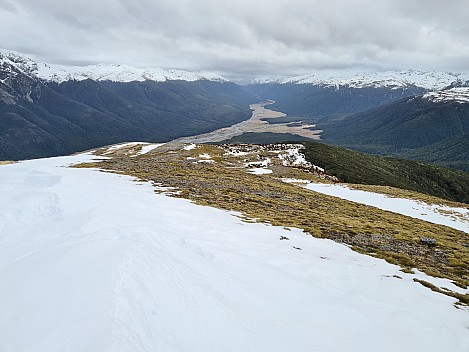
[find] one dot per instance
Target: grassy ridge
(355, 167)
(225, 184)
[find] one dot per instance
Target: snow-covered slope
(459, 95)
(91, 261)
(118, 73)
(390, 79)
(100, 72)
(10, 60)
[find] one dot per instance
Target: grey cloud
(7, 5)
(243, 38)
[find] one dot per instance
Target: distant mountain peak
(388, 79)
(458, 95)
(99, 72)
(10, 58)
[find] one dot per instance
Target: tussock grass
(225, 184)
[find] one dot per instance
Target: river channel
(257, 125)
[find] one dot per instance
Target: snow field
(91, 261)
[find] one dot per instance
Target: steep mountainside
(430, 127)
(41, 117)
(452, 152)
(317, 101)
(355, 167)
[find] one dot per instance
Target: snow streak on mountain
(459, 95)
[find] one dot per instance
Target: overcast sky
(242, 39)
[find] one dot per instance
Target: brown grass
(225, 184)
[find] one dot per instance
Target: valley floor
(255, 124)
(92, 261)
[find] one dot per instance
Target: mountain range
(49, 109)
(412, 114)
(335, 92)
(431, 127)
(222, 245)
(428, 80)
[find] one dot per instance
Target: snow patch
(295, 181)
(259, 171)
(148, 148)
(204, 158)
(458, 95)
(189, 146)
(293, 157)
(115, 147)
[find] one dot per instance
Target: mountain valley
(165, 210)
(410, 114)
(46, 117)
(52, 110)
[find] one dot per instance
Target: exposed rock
(428, 241)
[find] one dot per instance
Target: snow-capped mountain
(459, 95)
(50, 110)
(119, 73)
(11, 60)
(389, 79)
(99, 72)
(326, 93)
